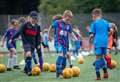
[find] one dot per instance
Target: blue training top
(100, 29)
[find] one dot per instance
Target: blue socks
(64, 62)
(59, 63)
(97, 65)
(28, 64)
(100, 63)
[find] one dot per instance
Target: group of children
(30, 33)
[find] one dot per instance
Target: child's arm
(73, 35)
(49, 33)
(80, 35)
(3, 38)
(111, 31)
(3, 41)
(91, 37)
(92, 32)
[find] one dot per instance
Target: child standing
(63, 28)
(99, 31)
(77, 43)
(46, 39)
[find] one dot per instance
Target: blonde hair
(45, 30)
(67, 13)
(97, 12)
(113, 25)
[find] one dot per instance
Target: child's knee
(28, 54)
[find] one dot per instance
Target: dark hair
(97, 12)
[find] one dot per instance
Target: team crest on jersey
(67, 27)
(61, 32)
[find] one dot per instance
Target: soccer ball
(2, 68)
(46, 67)
(76, 71)
(113, 63)
(67, 73)
(35, 71)
(80, 60)
(52, 68)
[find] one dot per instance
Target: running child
(31, 39)
(10, 32)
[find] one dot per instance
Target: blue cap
(34, 14)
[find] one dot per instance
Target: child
(115, 38)
(77, 43)
(46, 39)
(12, 60)
(111, 39)
(63, 28)
(99, 31)
(22, 21)
(31, 39)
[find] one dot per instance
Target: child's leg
(59, 61)
(97, 67)
(65, 58)
(15, 63)
(10, 61)
(108, 59)
(104, 66)
(40, 58)
(69, 60)
(28, 59)
(98, 52)
(59, 64)
(34, 57)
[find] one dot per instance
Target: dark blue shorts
(61, 49)
(101, 51)
(12, 45)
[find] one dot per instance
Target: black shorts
(28, 47)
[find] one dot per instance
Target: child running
(10, 32)
(31, 39)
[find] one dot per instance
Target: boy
(12, 60)
(99, 31)
(31, 39)
(64, 28)
(23, 20)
